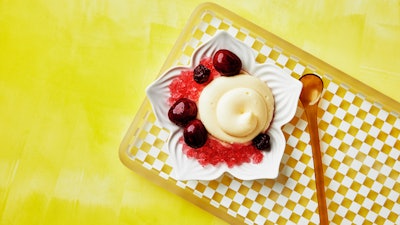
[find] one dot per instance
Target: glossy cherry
(195, 134)
(227, 63)
(182, 111)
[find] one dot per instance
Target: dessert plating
(233, 108)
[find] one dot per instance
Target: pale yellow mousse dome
(235, 109)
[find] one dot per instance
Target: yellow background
(73, 74)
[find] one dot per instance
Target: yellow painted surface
(73, 75)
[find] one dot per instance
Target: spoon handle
(311, 113)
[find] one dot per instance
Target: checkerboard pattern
(360, 144)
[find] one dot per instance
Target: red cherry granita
(213, 152)
(184, 86)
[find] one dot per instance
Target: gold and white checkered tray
(359, 130)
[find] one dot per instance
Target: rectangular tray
(359, 130)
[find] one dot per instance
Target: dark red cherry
(201, 74)
(195, 134)
(262, 142)
(182, 111)
(227, 63)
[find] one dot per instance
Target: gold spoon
(309, 97)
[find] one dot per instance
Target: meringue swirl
(236, 109)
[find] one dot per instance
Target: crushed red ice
(214, 153)
(185, 86)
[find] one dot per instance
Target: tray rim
(374, 96)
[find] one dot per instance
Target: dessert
(224, 112)
(202, 156)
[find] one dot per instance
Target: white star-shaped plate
(285, 89)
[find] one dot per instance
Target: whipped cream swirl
(236, 109)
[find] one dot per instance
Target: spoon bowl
(309, 97)
(312, 89)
